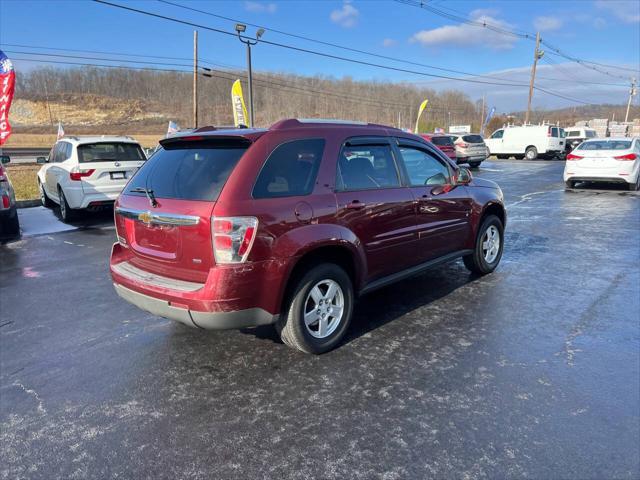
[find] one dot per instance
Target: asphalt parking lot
(531, 372)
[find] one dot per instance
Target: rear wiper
(148, 192)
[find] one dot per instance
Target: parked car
(470, 148)
(9, 222)
(86, 172)
(287, 226)
(605, 160)
(574, 136)
(443, 143)
(529, 141)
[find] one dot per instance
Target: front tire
(318, 311)
(531, 153)
(487, 251)
(66, 212)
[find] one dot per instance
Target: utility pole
(195, 79)
(482, 116)
(632, 93)
(248, 41)
(537, 55)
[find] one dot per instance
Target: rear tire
(306, 323)
(488, 248)
(634, 187)
(11, 229)
(474, 164)
(531, 153)
(66, 212)
(570, 184)
(44, 198)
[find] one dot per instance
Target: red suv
(288, 226)
(443, 143)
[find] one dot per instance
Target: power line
(512, 33)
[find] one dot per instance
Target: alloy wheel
(323, 308)
(491, 244)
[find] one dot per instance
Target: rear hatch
(472, 145)
(164, 214)
(106, 167)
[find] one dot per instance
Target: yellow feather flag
(423, 105)
(239, 110)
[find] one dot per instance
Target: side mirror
(41, 160)
(5, 159)
(464, 176)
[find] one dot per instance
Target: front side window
(498, 134)
(109, 152)
(573, 133)
(424, 168)
(290, 170)
(365, 167)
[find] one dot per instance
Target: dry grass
(24, 180)
(37, 140)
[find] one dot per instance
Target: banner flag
(7, 88)
(489, 116)
(239, 110)
(423, 105)
(60, 130)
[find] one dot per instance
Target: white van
(530, 142)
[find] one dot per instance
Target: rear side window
(443, 140)
(189, 170)
(290, 170)
(473, 139)
(363, 167)
(109, 152)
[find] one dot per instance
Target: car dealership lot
(531, 371)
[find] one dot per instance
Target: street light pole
(248, 41)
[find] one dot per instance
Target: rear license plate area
(118, 175)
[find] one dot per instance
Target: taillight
(5, 201)
(77, 175)
(2, 177)
(549, 132)
(629, 156)
(233, 238)
(463, 145)
(572, 156)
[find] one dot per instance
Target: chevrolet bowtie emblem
(145, 217)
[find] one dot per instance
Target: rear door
(442, 208)
(185, 178)
(373, 203)
(106, 167)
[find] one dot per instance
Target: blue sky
(605, 31)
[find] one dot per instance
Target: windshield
(441, 140)
(110, 152)
(606, 145)
(473, 139)
(189, 170)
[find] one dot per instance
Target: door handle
(355, 205)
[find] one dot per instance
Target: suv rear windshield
(110, 152)
(189, 170)
(441, 140)
(473, 139)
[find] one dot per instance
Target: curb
(28, 203)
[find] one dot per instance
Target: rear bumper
(239, 296)
(251, 317)
(620, 173)
(77, 198)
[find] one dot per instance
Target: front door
(442, 208)
(374, 205)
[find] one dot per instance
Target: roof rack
(298, 122)
(212, 128)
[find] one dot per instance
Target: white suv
(83, 172)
